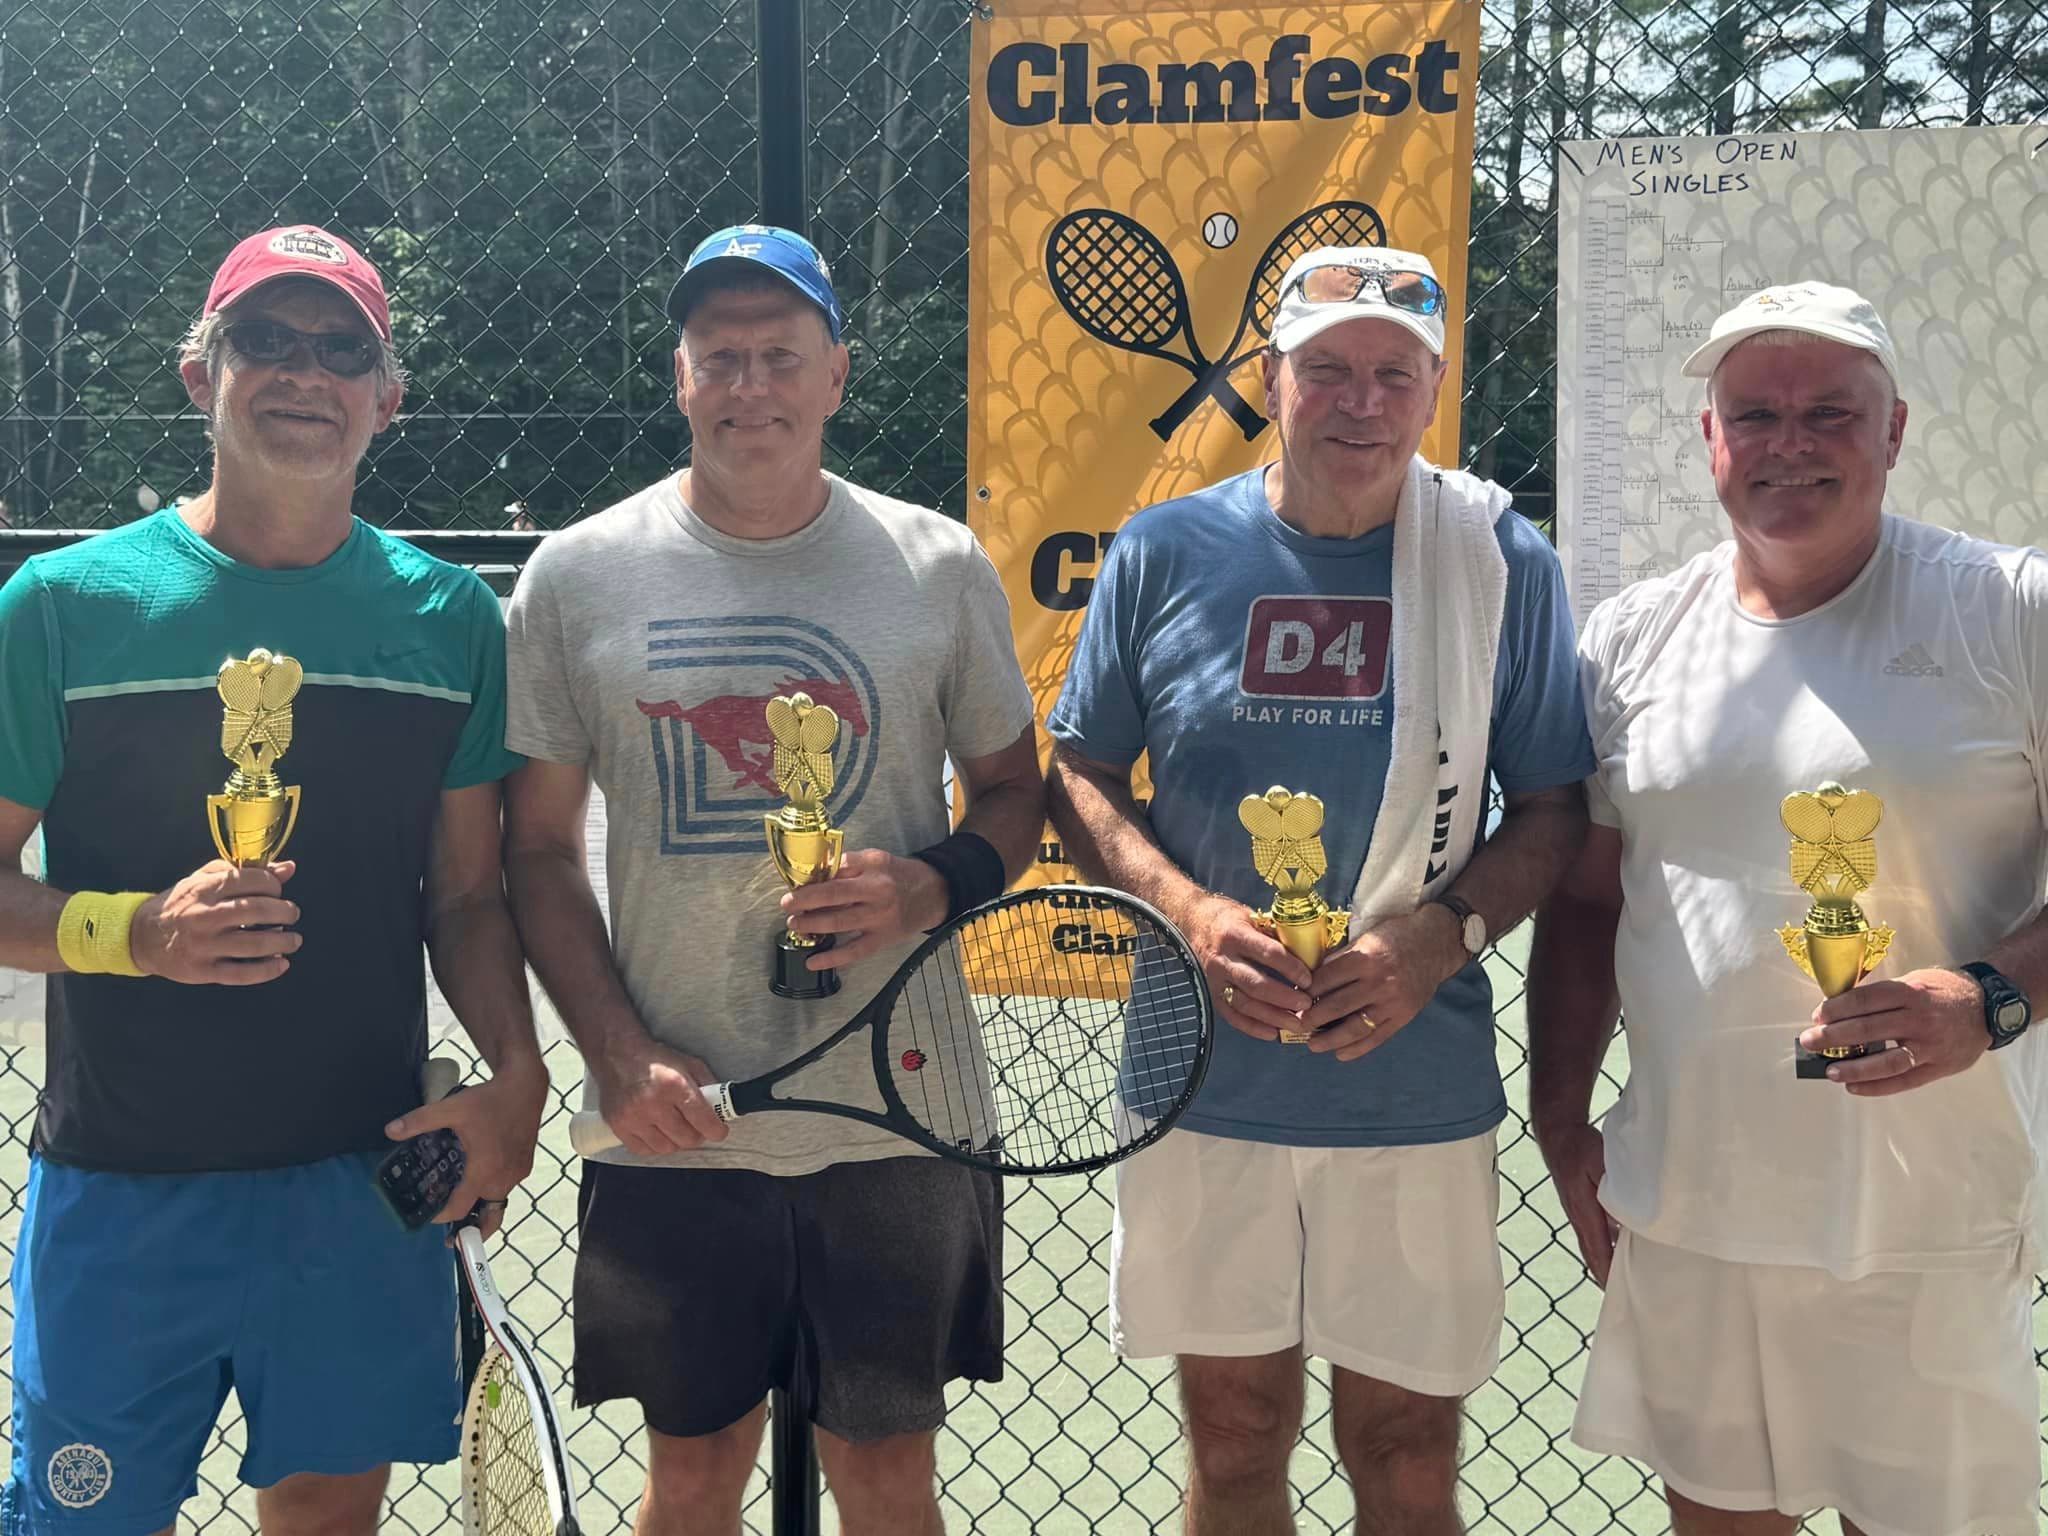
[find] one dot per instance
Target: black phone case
(416, 1177)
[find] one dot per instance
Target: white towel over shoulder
(1450, 592)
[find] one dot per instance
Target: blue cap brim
(683, 293)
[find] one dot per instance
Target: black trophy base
(792, 979)
(1812, 1064)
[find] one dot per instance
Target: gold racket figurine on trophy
(253, 815)
(1834, 860)
(802, 841)
(1287, 851)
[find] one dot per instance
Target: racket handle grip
(438, 1079)
(590, 1135)
(1214, 384)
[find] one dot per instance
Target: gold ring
(1366, 1019)
(1229, 994)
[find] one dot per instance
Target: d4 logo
(1317, 648)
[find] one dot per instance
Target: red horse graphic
(735, 725)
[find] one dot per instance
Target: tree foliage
(529, 173)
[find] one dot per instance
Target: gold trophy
(1287, 851)
(1834, 858)
(253, 815)
(803, 843)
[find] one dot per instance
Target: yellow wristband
(92, 932)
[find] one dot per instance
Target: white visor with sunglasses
(1362, 282)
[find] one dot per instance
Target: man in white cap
(1351, 622)
(1817, 1291)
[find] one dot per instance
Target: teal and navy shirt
(110, 725)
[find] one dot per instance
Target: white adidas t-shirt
(1925, 682)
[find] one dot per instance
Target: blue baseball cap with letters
(782, 251)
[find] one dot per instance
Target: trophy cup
(253, 815)
(803, 843)
(1834, 857)
(1287, 851)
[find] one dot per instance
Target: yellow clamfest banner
(1142, 176)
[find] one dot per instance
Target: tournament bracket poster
(1142, 177)
(1944, 230)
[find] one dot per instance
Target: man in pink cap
(1818, 1288)
(232, 1047)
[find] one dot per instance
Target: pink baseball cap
(301, 251)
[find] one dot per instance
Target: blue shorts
(141, 1299)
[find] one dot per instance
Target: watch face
(2011, 1015)
(1475, 934)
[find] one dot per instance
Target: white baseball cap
(1301, 317)
(1818, 309)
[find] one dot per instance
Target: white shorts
(1905, 1401)
(1382, 1260)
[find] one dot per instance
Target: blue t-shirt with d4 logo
(1239, 654)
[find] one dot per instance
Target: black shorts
(695, 1288)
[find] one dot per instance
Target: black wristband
(971, 868)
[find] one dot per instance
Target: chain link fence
(529, 173)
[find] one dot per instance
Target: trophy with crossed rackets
(1834, 859)
(1287, 851)
(801, 840)
(252, 817)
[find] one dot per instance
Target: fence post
(784, 128)
(793, 1455)
(785, 123)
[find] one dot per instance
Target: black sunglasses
(346, 354)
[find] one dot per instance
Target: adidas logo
(1913, 661)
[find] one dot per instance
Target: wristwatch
(2007, 1012)
(1471, 926)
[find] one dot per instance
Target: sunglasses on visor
(346, 354)
(1416, 292)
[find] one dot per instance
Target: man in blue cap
(645, 645)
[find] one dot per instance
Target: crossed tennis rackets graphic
(1121, 285)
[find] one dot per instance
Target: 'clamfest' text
(1032, 84)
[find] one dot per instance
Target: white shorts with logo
(1382, 1260)
(1906, 1401)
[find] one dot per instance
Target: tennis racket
(1053, 1030)
(1338, 223)
(515, 1472)
(1119, 284)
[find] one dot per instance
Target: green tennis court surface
(1072, 1441)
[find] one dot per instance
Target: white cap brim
(1305, 327)
(1706, 359)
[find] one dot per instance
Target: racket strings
(1342, 224)
(1054, 1068)
(1119, 280)
(506, 1482)
(1044, 1036)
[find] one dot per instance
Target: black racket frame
(758, 1093)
